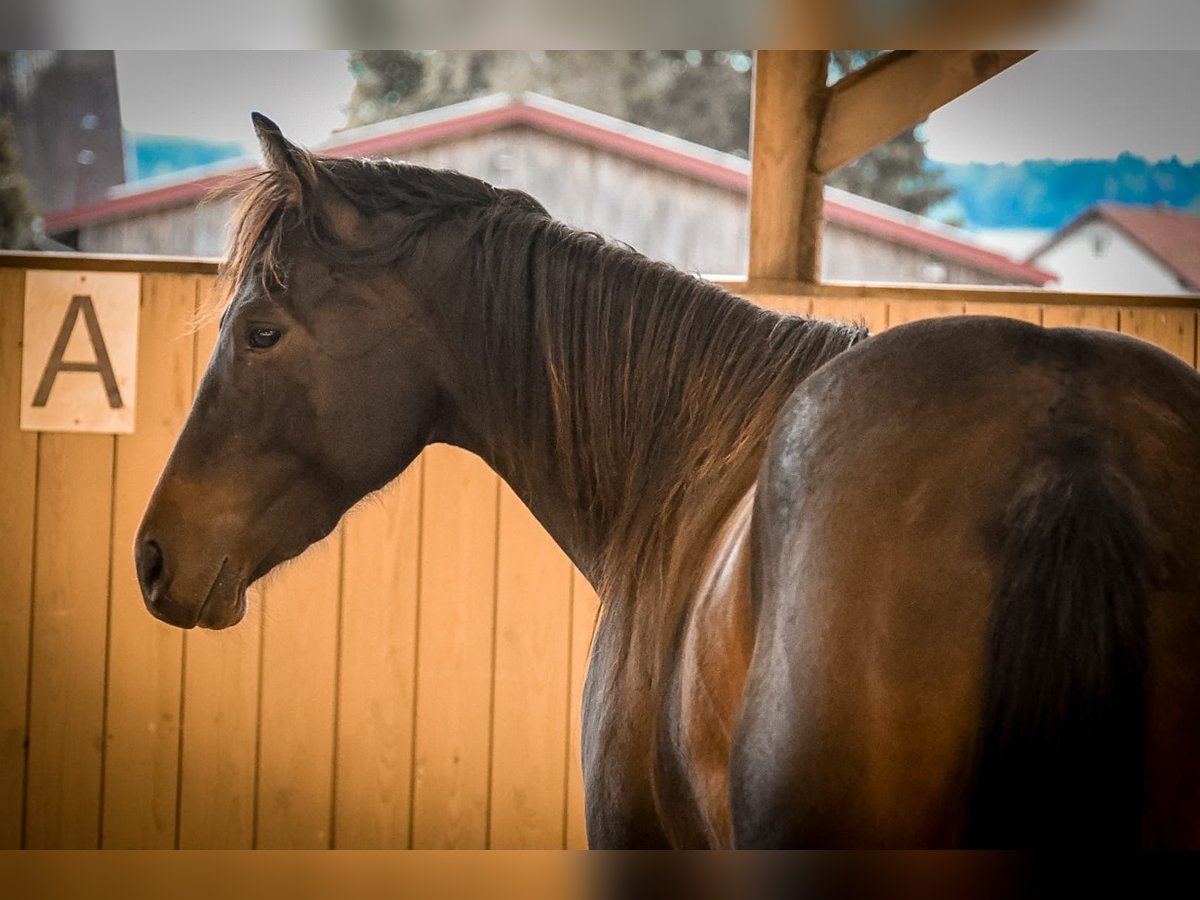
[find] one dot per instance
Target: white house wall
(188, 230)
(1122, 267)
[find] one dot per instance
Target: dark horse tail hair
(1061, 747)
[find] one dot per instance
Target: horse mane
(268, 206)
(647, 380)
(651, 382)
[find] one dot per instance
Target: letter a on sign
(79, 365)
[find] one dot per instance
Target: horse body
(826, 682)
(662, 700)
(934, 588)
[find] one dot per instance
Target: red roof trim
(581, 131)
(139, 201)
(634, 147)
(429, 133)
(934, 243)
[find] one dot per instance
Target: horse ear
(284, 157)
(304, 177)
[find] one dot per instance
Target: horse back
(910, 487)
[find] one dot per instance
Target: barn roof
(574, 123)
(1171, 236)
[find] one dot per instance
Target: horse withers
(939, 587)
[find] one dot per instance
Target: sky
(1076, 104)
(1056, 104)
(211, 94)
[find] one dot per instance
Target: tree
(16, 208)
(897, 173)
(700, 95)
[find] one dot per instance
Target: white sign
(79, 358)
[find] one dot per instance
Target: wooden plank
(18, 450)
(205, 334)
(532, 681)
(790, 305)
(1172, 329)
(895, 92)
(218, 759)
(953, 293)
(901, 312)
(70, 612)
(376, 690)
(298, 701)
(109, 262)
(1026, 312)
(145, 655)
(786, 193)
(585, 607)
(220, 730)
(1105, 317)
(874, 313)
(454, 652)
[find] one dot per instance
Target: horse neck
(621, 399)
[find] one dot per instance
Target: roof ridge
(585, 126)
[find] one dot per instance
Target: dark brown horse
(940, 587)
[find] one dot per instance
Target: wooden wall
(1169, 322)
(413, 681)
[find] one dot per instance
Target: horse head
(321, 389)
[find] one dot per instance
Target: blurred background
(1077, 170)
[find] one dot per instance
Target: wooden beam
(951, 293)
(785, 190)
(896, 91)
(110, 262)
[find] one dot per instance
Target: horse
(934, 587)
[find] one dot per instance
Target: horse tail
(1061, 747)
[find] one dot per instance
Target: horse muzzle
(219, 603)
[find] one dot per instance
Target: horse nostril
(149, 563)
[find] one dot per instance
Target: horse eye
(262, 338)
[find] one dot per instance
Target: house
(1115, 248)
(669, 198)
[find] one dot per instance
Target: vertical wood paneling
(533, 641)
(873, 312)
(297, 705)
(18, 480)
(454, 651)
(220, 710)
(376, 690)
(70, 613)
(585, 606)
(145, 655)
(901, 312)
(220, 732)
(1172, 329)
(1063, 316)
(1026, 312)
(437, 706)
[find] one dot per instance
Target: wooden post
(896, 91)
(786, 190)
